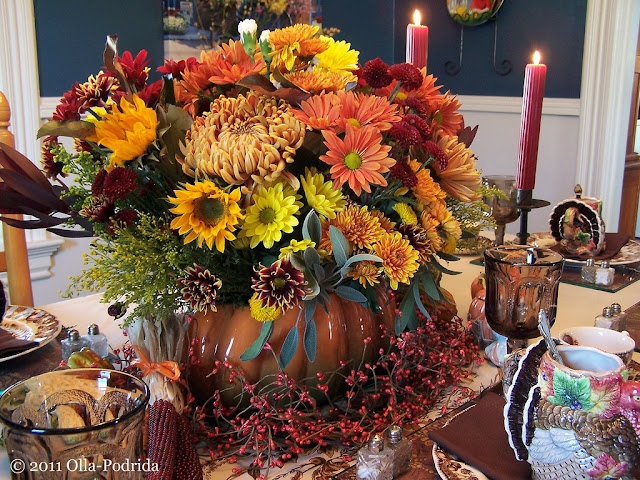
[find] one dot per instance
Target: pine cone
(163, 423)
(187, 463)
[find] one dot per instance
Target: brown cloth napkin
(10, 345)
(478, 438)
(613, 243)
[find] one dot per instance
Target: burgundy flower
(82, 146)
(67, 109)
(200, 288)
(402, 171)
(94, 92)
(175, 69)
(134, 69)
(99, 209)
(280, 285)
(122, 219)
(437, 153)
(376, 73)
(151, 93)
(119, 183)
(418, 239)
(50, 166)
(416, 105)
(405, 134)
(98, 183)
(408, 74)
(420, 124)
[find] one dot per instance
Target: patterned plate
(628, 254)
(30, 324)
(449, 467)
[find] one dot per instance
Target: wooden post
(15, 245)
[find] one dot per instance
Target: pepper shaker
(401, 448)
(73, 343)
(97, 341)
(374, 461)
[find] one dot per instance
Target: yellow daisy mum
(399, 258)
(407, 215)
(271, 215)
(207, 212)
(127, 131)
(321, 195)
(296, 246)
(263, 314)
(338, 57)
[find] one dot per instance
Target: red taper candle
(534, 77)
(417, 42)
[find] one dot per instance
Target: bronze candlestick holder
(526, 203)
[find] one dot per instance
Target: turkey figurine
(576, 420)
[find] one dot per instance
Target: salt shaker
(604, 274)
(374, 461)
(588, 271)
(606, 320)
(401, 448)
(97, 341)
(73, 343)
(620, 316)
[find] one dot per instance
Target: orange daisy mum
(399, 258)
(359, 226)
(446, 120)
(359, 159)
(427, 190)
(367, 273)
(360, 109)
(319, 111)
(460, 179)
(318, 80)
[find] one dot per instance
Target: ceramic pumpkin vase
(224, 335)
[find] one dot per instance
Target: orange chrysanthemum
(399, 258)
(361, 109)
(428, 94)
(359, 159)
(318, 80)
(359, 226)
(446, 120)
(427, 190)
(319, 111)
(445, 218)
(243, 139)
(227, 66)
(289, 42)
(460, 179)
(366, 273)
(430, 225)
(385, 222)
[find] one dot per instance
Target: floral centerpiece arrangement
(277, 177)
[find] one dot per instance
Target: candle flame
(416, 17)
(536, 58)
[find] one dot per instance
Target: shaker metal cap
(616, 308)
(395, 434)
(604, 264)
(590, 262)
(376, 444)
(93, 329)
(607, 312)
(74, 335)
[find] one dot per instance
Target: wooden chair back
(15, 258)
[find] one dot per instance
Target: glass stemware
(503, 210)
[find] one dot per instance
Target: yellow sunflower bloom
(338, 57)
(207, 213)
(271, 215)
(127, 132)
(296, 246)
(263, 314)
(399, 258)
(321, 195)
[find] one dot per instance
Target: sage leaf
(256, 347)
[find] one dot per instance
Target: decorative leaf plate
(30, 324)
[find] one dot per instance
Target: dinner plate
(628, 254)
(449, 467)
(30, 324)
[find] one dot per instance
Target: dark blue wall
(555, 27)
(71, 34)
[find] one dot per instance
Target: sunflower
(460, 179)
(319, 111)
(360, 109)
(127, 131)
(321, 195)
(207, 212)
(359, 226)
(427, 189)
(338, 57)
(271, 214)
(297, 39)
(359, 159)
(366, 273)
(318, 80)
(243, 139)
(399, 258)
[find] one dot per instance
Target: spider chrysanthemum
(207, 213)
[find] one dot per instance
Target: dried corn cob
(163, 423)
(187, 461)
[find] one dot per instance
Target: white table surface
(576, 306)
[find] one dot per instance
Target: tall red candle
(417, 42)
(534, 77)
